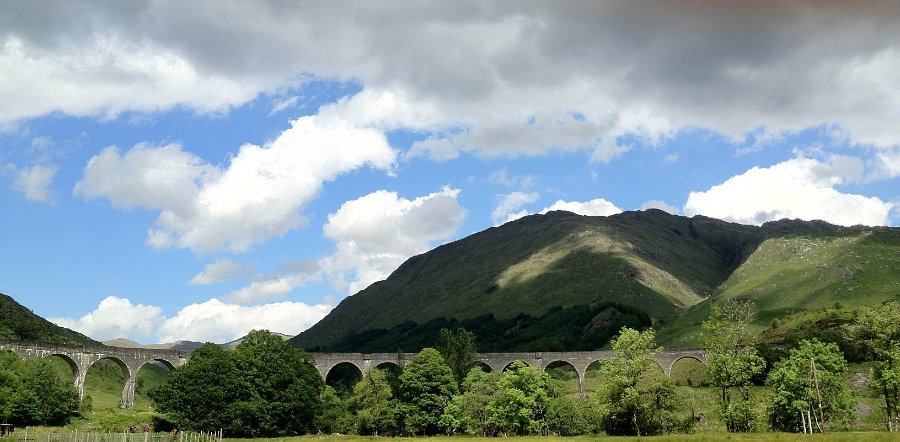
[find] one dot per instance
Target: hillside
(18, 323)
(546, 282)
(794, 272)
(562, 281)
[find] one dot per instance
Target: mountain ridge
(650, 261)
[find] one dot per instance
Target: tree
(521, 404)
(732, 361)
(264, 387)
(570, 416)
(458, 349)
(334, 417)
(469, 412)
(283, 383)
(33, 392)
(426, 387)
(879, 329)
(638, 397)
(57, 397)
(201, 395)
(373, 404)
(810, 380)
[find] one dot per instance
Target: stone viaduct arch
(499, 361)
(80, 358)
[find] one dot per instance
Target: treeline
(573, 328)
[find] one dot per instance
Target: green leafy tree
(334, 417)
(458, 349)
(426, 387)
(732, 362)
(10, 383)
(570, 416)
(469, 412)
(264, 387)
(878, 328)
(44, 397)
(283, 384)
(521, 405)
(201, 395)
(638, 398)
(373, 405)
(811, 379)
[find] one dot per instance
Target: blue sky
(193, 171)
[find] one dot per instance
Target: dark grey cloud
(648, 66)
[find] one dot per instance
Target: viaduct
(130, 360)
(497, 362)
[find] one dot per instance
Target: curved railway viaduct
(130, 360)
(80, 358)
(497, 362)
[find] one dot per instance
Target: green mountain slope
(509, 278)
(18, 323)
(789, 273)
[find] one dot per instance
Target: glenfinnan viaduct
(80, 358)
(497, 362)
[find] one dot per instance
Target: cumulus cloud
(221, 271)
(217, 321)
(799, 188)
(35, 182)
(508, 209)
(209, 321)
(257, 196)
(278, 285)
(661, 205)
(375, 233)
(114, 318)
(595, 207)
(497, 80)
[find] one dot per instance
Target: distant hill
(179, 345)
(18, 323)
(562, 281)
(231, 345)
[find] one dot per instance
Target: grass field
(831, 437)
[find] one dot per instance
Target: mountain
(562, 281)
(18, 323)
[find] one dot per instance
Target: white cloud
(276, 286)
(377, 232)
(259, 195)
(661, 205)
(503, 178)
(35, 182)
(221, 271)
(512, 79)
(798, 188)
(595, 207)
(508, 208)
(114, 318)
(216, 321)
(209, 321)
(284, 104)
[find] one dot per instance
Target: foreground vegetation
(266, 388)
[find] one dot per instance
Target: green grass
(834, 437)
(795, 274)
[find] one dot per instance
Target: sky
(195, 170)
